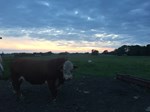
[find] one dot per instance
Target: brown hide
(37, 72)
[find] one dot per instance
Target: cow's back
(34, 71)
(37, 71)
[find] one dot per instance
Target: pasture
(94, 88)
(103, 66)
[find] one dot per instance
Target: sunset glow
(33, 45)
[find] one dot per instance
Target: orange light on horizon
(34, 45)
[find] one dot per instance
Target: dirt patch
(87, 94)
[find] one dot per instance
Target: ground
(85, 94)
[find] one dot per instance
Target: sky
(73, 25)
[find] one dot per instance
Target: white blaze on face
(67, 70)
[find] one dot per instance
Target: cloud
(76, 12)
(65, 34)
(21, 6)
(139, 11)
(44, 3)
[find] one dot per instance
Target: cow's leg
(53, 88)
(16, 86)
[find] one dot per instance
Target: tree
(123, 50)
(148, 49)
(105, 52)
(95, 52)
(133, 50)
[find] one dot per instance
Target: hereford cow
(53, 72)
(1, 67)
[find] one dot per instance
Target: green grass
(107, 66)
(111, 65)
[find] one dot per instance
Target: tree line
(130, 50)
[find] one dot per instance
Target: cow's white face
(67, 70)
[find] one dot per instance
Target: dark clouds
(77, 20)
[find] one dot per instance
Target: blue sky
(73, 25)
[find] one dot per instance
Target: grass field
(107, 66)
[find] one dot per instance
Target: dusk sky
(73, 25)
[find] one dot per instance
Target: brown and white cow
(53, 72)
(1, 67)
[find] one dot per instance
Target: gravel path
(87, 94)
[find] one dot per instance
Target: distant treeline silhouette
(32, 54)
(131, 50)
